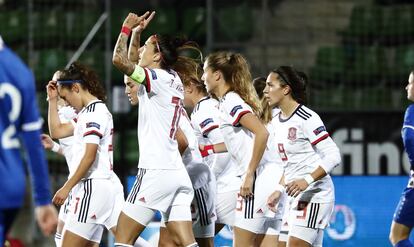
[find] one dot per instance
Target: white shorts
(271, 227)
(119, 202)
(91, 207)
(266, 179)
(226, 207)
(309, 214)
(64, 209)
(284, 230)
(160, 190)
(203, 211)
(314, 236)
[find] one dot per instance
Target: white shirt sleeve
(314, 129)
(235, 107)
(94, 128)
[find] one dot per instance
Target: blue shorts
(6, 219)
(404, 213)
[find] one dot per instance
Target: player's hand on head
(47, 218)
(51, 90)
(47, 142)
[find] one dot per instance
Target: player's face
(147, 56)
(131, 90)
(274, 92)
(209, 79)
(410, 87)
(71, 96)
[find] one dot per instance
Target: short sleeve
(314, 129)
(94, 128)
(154, 78)
(235, 107)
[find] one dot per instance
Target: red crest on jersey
(292, 133)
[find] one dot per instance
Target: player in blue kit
(403, 220)
(20, 121)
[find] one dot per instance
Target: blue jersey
(407, 134)
(20, 129)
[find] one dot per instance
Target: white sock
(141, 243)
(58, 239)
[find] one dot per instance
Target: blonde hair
(259, 84)
(236, 73)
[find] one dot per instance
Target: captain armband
(138, 75)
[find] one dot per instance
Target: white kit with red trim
(238, 140)
(93, 125)
(297, 139)
(160, 104)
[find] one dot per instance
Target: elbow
(117, 61)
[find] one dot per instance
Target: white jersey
(200, 173)
(238, 140)
(66, 115)
(94, 124)
(160, 103)
(296, 137)
(204, 119)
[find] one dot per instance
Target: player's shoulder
(305, 113)
(409, 115)
(160, 74)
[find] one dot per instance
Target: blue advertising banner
(362, 215)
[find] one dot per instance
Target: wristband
(55, 147)
(209, 149)
(126, 30)
(280, 188)
(309, 179)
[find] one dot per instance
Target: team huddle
(257, 164)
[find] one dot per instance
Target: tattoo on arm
(133, 51)
(120, 57)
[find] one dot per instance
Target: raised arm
(120, 56)
(134, 45)
(56, 128)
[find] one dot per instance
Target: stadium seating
(365, 22)
(235, 23)
(13, 26)
(47, 61)
(194, 24)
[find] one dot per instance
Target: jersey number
(8, 138)
(282, 151)
(174, 123)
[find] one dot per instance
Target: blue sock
(404, 243)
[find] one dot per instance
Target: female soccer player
(270, 237)
(308, 153)
(90, 178)
(403, 220)
(160, 94)
(227, 76)
(204, 119)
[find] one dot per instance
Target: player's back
(18, 114)
(160, 104)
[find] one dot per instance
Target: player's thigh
(399, 232)
(128, 229)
